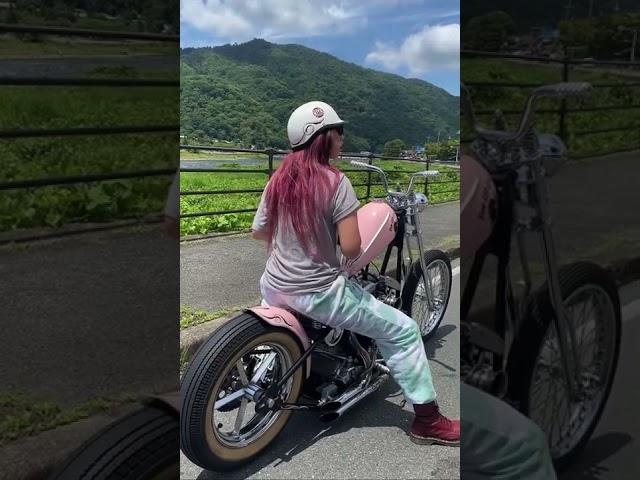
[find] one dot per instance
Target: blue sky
(412, 38)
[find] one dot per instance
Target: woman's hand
(260, 235)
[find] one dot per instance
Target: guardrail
(563, 112)
(7, 134)
(270, 157)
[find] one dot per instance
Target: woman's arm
(349, 235)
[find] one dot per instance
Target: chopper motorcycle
(244, 382)
(551, 352)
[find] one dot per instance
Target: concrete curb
(192, 338)
(36, 457)
(35, 235)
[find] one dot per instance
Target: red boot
(431, 427)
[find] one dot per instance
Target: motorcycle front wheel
(414, 296)
(536, 377)
(219, 426)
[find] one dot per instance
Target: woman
(307, 205)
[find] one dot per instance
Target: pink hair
(300, 190)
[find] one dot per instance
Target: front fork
(566, 334)
(414, 230)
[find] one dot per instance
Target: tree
(353, 143)
(393, 148)
(488, 32)
(12, 16)
(599, 37)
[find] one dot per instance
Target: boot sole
(433, 441)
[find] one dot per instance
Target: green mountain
(245, 93)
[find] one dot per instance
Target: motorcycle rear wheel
(139, 446)
(244, 351)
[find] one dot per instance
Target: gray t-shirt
(289, 269)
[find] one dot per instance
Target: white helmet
(308, 120)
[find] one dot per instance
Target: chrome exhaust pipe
(354, 398)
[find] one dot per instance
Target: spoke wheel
(415, 300)
(592, 311)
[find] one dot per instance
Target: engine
(476, 367)
(384, 289)
(339, 361)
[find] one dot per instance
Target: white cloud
(434, 47)
(239, 20)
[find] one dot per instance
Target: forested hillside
(245, 93)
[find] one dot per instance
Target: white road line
(631, 310)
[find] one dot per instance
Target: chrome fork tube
(417, 231)
(566, 335)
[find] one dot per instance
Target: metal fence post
(370, 162)
(563, 103)
(426, 179)
(270, 151)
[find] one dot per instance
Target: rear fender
(279, 317)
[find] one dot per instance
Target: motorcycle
(244, 382)
(553, 352)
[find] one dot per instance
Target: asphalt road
(89, 315)
(370, 441)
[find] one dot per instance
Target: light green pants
(498, 442)
(346, 305)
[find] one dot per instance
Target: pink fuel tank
(478, 198)
(378, 224)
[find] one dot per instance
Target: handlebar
(559, 90)
(373, 168)
(425, 174)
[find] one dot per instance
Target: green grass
(208, 155)
(190, 317)
(16, 48)
(20, 416)
(40, 158)
(184, 358)
(397, 171)
(505, 71)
